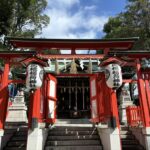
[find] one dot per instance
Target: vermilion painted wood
(36, 103)
(107, 102)
(75, 75)
(30, 113)
(128, 81)
(142, 96)
(114, 106)
(100, 100)
(147, 88)
(4, 94)
(73, 45)
(71, 56)
(50, 98)
(27, 61)
(106, 99)
(16, 81)
(14, 55)
(134, 116)
(94, 98)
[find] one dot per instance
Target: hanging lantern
(113, 76)
(90, 66)
(34, 77)
(73, 69)
(57, 67)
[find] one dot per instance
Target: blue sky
(80, 18)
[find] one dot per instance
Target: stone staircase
(73, 138)
(129, 142)
(18, 138)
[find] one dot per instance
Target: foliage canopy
(22, 18)
(134, 22)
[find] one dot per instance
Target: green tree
(134, 22)
(22, 18)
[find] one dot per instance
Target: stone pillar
(146, 133)
(37, 137)
(17, 112)
(1, 136)
(110, 138)
(4, 98)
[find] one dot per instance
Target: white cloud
(68, 23)
(69, 19)
(63, 4)
(92, 7)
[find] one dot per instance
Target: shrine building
(98, 100)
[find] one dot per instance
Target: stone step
(73, 121)
(132, 147)
(124, 128)
(9, 131)
(74, 147)
(72, 129)
(72, 132)
(124, 136)
(22, 129)
(15, 148)
(17, 144)
(129, 142)
(21, 133)
(125, 132)
(19, 138)
(16, 123)
(25, 128)
(81, 137)
(16, 127)
(73, 143)
(17, 108)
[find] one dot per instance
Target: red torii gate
(111, 48)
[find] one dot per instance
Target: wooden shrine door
(93, 99)
(51, 97)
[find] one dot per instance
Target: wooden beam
(68, 56)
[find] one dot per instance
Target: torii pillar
(144, 97)
(37, 132)
(110, 135)
(4, 98)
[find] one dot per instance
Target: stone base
(110, 138)
(17, 112)
(146, 133)
(37, 139)
(1, 135)
(17, 116)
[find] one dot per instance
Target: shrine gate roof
(73, 44)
